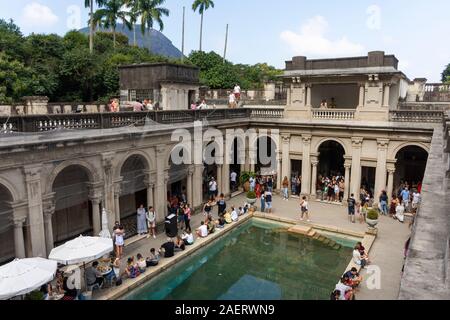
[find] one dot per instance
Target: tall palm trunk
(201, 32)
(91, 31)
(134, 35)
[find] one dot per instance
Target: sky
(417, 32)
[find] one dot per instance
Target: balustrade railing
(333, 114)
(437, 92)
(80, 121)
(417, 116)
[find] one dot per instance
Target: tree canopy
(446, 74)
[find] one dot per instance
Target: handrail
(79, 121)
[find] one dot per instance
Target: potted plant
(372, 218)
(251, 197)
(245, 179)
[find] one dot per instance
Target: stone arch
(411, 161)
(149, 162)
(337, 140)
(404, 145)
(88, 167)
(274, 151)
(7, 243)
(10, 188)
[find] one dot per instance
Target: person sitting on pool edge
(179, 244)
(168, 248)
(211, 226)
(354, 278)
(202, 231)
(153, 259)
(227, 217)
(141, 263)
(188, 237)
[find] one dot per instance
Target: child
(241, 211)
(363, 213)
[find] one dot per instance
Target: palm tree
(149, 11)
(109, 14)
(202, 6)
(90, 4)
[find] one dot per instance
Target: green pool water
(256, 261)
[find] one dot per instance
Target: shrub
(245, 176)
(251, 195)
(372, 214)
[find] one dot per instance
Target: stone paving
(386, 253)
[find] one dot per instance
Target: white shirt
(237, 89)
(151, 216)
(213, 186)
(357, 257)
(234, 216)
(189, 238)
(233, 176)
(416, 198)
(400, 213)
(343, 289)
(203, 231)
(232, 98)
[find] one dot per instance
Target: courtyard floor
(386, 253)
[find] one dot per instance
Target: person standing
(212, 188)
(285, 188)
(252, 183)
(237, 92)
(232, 101)
(268, 200)
(221, 205)
(233, 178)
(187, 217)
(384, 203)
(119, 235)
(405, 195)
(416, 201)
(263, 201)
(270, 184)
(304, 209)
(151, 222)
(351, 208)
(141, 221)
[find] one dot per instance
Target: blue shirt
(405, 195)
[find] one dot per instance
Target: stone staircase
(311, 233)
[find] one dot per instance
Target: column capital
(357, 142)
(383, 144)
(19, 221)
(347, 165)
(388, 84)
(32, 172)
(306, 138)
(107, 160)
(315, 163)
(391, 170)
(160, 149)
(308, 85)
(286, 137)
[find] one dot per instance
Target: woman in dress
(119, 234)
(187, 217)
(285, 188)
(141, 221)
(151, 221)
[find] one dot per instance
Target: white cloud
(312, 40)
(38, 15)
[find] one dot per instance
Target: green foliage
(217, 74)
(245, 176)
(202, 5)
(446, 74)
(251, 195)
(62, 68)
(372, 214)
(34, 295)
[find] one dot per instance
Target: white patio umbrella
(22, 276)
(81, 250)
(105, 227)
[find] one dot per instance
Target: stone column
(356, 165)
(380, 178)
(390, 190)
(362, 90)
(96, 221)
(108, 187)
(35, 216)
(306, 164)
(314, 163)
(252, 158)
(347, 166)
(190, 190)
(149, 182)
(19, 242)
(226, 180)
(161, 183)
(49, 207)
(387, 91)
(219, 178)
(117, 193)
(285, 153)
(197, 186)
(308, 95)
(279, 172)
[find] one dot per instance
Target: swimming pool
(258, 260)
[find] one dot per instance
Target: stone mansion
(358, 117)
